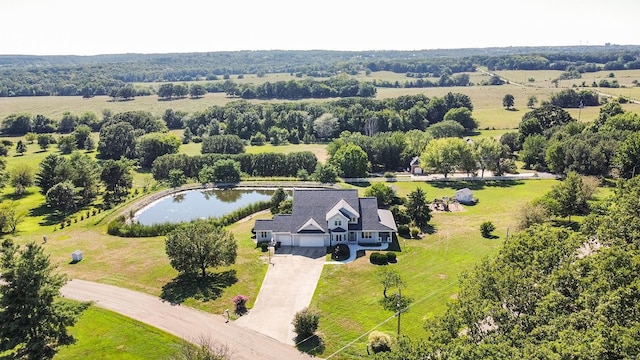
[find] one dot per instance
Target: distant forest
(30, 75)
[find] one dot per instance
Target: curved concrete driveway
(286, 289)
(185, 322)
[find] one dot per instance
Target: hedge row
(264, 164)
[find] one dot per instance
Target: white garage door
(308, 240)
(284, 239)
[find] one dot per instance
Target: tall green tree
(418, 207)
(533, 152)
(508, 101)
(463, 116)
(150, 146)
(198, 246)
(116, 141)
(33, 319)
(351, 160)
(22, 176)
(326, 174)
(117, 178)
(627, 159)
(48, 172)
(384, 193)
(21, 147)
(85, 177)
(61, 197)
(445, 156)
(570, 197)
(226, 170)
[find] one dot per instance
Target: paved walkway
(182, 321)
(286, 289)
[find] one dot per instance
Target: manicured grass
(348, 295)
(104, 334)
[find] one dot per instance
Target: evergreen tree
(33, 321)
(418, 207)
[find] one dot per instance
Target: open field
(114, 336)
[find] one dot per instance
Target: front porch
(364, 238)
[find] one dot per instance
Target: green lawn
(348, 295)
(104, 334)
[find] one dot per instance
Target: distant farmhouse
(326, 217)
(414, 166)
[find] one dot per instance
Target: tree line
(102, 74)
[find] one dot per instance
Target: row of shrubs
(120, 227)
(67, 221)
(408, 232)
(382, 258)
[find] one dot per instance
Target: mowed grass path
(348, 295)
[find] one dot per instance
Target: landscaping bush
(378, 258)
(414, 232)
(264, 246)
(240, 303)
(340, 252)
(403, 230)
(305, 323)
(379, 342)
(486, 228)
(391, 257)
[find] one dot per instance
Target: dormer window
(337, 223)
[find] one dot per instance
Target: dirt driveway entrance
(287, 288)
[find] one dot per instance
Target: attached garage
(310, 240)
(284, 239)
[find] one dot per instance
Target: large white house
(325, 217)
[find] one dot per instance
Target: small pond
(199, 204)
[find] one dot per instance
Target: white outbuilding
(465, 196)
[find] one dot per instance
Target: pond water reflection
(199, 204)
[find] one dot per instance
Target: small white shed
(76, 256)
(464, 196)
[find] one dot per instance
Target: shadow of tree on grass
(313, 345)
(186, 286)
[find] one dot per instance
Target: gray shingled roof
(315, 203)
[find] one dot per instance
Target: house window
(263, 234)
(366, 235)
(338, 223)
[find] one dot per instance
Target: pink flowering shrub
(240, 301)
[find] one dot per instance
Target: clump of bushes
(377, 258)
(305, 323)
(486, 228)
(264, 246)
(340, 252)
(403, 230)
(391, 257)
(379, 342)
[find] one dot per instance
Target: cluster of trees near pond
(112, 75)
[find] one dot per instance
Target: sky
(90, 27)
